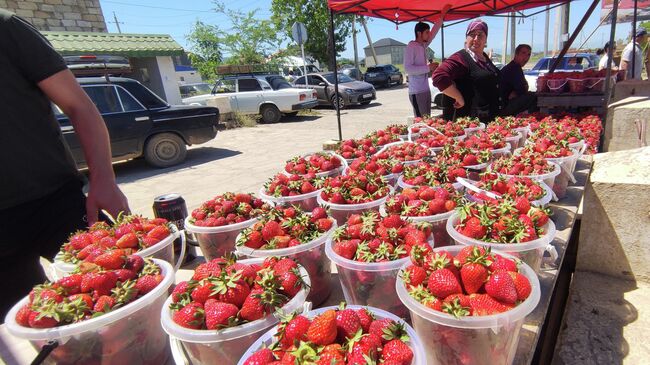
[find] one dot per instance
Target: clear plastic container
(334, 172)
(481, 340)
(341, 212)
(402, 185)
(514, 141)
(567, 165)
(163, 250)
(523, 131)
(530, 252)
(576, 85)
(504, 151)
(217, 241)
(369, 283)
(307, 201)
(556, 85)
(438, 226)
(226, 346)
(548, 178)
(127, 335)
(414, 341)
(312, 257)
(471, 131)
(542, 202)
(474, 171)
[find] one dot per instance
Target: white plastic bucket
(541, 202)
(402, 185)
(548, 178)
(471, 131)
(334, 172)
(311, 255)
(568, 165)
(127, 335)
(480, 340)
(438, 225)
(341, 212)
(226, 346)
(530, 252)
(369, 283)
(307, 201)
(414, 341)
(217, 241)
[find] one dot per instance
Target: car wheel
(387, 84)
(401, 81)
(340, 103)
(164, 150)
(270, 114)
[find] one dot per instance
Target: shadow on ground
(130, 171)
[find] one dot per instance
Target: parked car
(140, 123)
(383, 75)
(352, 72)
(436, 95)
(571, 62)
(267, 95)
(350, 90)
(199, 88)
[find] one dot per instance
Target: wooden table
(537, 337)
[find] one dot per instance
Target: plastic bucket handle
(420, 125)
(179, 260)
(552, 251)
(476, 189)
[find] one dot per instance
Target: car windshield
(278, 82)
(144, 95)
(201, 89)
(342, 78)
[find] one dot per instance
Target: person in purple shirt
(514, 87)
(469, 80)
(417, 68)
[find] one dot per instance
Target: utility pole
(372, 47)
(354, 42)
(532, 34)
(504, 48)
(565, 24)
(547, 16)
(513, 41)
(556, 37)
(117, 23)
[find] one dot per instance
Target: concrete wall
(57, 15)
(188, 77)
(628, 124)
(158, 74)
(382, 59)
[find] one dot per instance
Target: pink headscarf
(477, 24)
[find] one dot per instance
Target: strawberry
(102, 282)
(365, 319)
(253, 308)
(219, 315)
(473, 275)
(104, 304)
(22, 316)
(290, 283)
(484, 305)
(111, 260)
(368, 346)
(318, 213)
(346, 249)
(522, 204)
(284, 265)
(207, 269)
(392, 221)
(347, 323)
(159, 232)
(522, 285)
(181, 292)
(474, 228)
(71, 284)
(382, 328)
(323, 329)
(41, 320)
(147, 283)
(324, 224)
(414, 275)
(443, 283)
(261, 357)
(190, 316)
(134, 263)
(294, 331)
(502, 263)
(202, 292)
(270, 230)
(501, 287)
(397, 350)
(129, 240)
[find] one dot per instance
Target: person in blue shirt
(514, 87)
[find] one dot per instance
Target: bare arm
(453, 92)
(438, 24)
(62, 88)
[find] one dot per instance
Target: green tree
(205, 52)
(250, 40)
(315, 16)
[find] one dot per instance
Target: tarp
(626, 10)
(402, 11)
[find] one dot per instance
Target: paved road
(243, 159)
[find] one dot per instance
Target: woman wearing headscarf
(469, 80)
(603, 52)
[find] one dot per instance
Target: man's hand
(459, 102)
(104, 194)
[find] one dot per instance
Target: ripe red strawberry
(284, 265)
(124, 274)
(207, 269)
(270, 230)
(261, 357)
(522, 204)
(22, 316)
(467, 252)
(346, 249)
(368, 346)
(443, 283)
(419, 252)
(474, 229)
(147, 283)
(129, 240)
(414, 275)
(219, 315)
(111, 260)
(102, 282)
(324, 224)
(501, 287)
(291, 283)
(347, 324)
(318, 213)
(397, 350)
(255, 240)
(365, 319)
(38, 320)
(382, 328)
(392, 221)
(414, 236)
(190, 316)
(80, 240)
(330, 355)
(258, 304)
(473, 275)
(134, 263)
(104, 304)
(159, 232)
(539, 216)
(294, 331)
(485, 305)
(71, 284)
(501, 263)
(522, 285)
(322, 330)
(202, 292)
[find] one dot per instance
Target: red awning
(402, 11)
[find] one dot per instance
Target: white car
(271, 96)
(436, 95)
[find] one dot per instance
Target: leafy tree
(315, 15)
(204, 42)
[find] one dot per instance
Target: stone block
(53, 22)
(56, 28)
(615, 228)
(71, 2)
(89, 17)
(95, 11)
(99, 26)
(75, 16)
(627, 88)
(624, 128)
(24, 13)
(42, 14)
(37, 22)
(3, 4)
(69, 22)
(65, 9)
(12, 4)
(84, 24)
(75, 29)
(47, 7)
(53, 2)
(27, 5)
(605, 322)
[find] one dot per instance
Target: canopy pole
(567, 44)
(336, 75)
(634, 40)
(610, 60)
(442, 42)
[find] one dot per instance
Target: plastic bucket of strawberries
(536, 191)
(323, 164)
(354, 193)
(218, 221)
(368, 250)
(406, 153)
(389, 168)
(133, 234)
(521, 166)
(324, 334)
(433, 205)
(101, 315)
(229, 304)
(567, 165)
(293, 189)
(470, 125)
(506, 225)
(291, 232)
(468, 304)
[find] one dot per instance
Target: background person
(514, 87)
(636, 43)
(41, 201)
(604, 52)
(469, 80)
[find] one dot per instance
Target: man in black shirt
(514, 87)
(41, 200)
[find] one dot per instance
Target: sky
(177, 17)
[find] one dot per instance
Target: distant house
(389, 51)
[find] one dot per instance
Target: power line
(155, 7)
